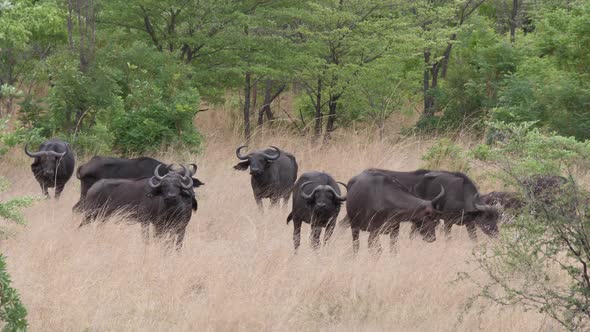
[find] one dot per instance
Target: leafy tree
(29, 33)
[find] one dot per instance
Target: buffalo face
(323, 199)
(425, 221)
(46, 162)
(173, 187)
(257, 161)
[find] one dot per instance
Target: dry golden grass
(237, 270)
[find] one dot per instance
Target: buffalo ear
(197, 183)
(242, 166)
(194, 204)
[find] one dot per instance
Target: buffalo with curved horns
(377, 203)
(316, 201)
(99, 168)
(273, 173)
(461, 205)
(53, 165)
(165, 201)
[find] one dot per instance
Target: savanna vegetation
(497, 89)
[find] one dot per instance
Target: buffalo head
(324, 199)
(173, 187)
(258, 161)
(47, 161)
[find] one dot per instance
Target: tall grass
(237, 270)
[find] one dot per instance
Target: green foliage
(9, 139)
(11, 210)
(447, 155)
(475, 76)
(12, 311)
(526, 150)
(134, 99)
(540, 261)
(541, 92)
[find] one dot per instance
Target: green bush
(12, 311)
(556, 99)
(134, 99)
(475, 75)
(541, 259)
(446, 155)
(10, 139)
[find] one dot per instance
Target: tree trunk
(428, 98)
(254, 102)
(247, 92)
(332, 106)
(70, 26)
(266, 105)
(513, 21)
(318, 112)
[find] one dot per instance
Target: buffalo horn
(185, 177)
(57, 154)
(157, 173)
(482, 207)
(439, 196)
(193, 169)
(341, 198)
(302, 193)
(153, 184)
(238, 153)
(33, 154)
(275, 157)
(343, 184)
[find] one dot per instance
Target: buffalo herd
(377, 200)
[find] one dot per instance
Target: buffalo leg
(316, 233)
(490, 229)
(180, 237)
(145, 232)
(355, 240)
(58, 189)
(394, 234)
(413, 231)
(45, 191)
(259, 204)
(471, 230)
(447, 228)
(296, 234)
(329, 230)
(374, 244)
(274, 201)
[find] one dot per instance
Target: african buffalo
(273, 173)
(166, 201)
(461, 205)
(316, 201)
(53, 165)
(377, 202)
(119, 168)
(544, 188)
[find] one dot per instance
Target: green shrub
(541, 259)
(446, 155)
(10, 139)
(12, 311)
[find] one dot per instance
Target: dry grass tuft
(237, 270)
